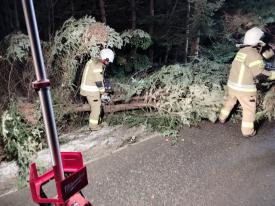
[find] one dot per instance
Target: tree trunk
(187, 34)
(151, 29)
(111, 108)
(51, 19)
(176, 56)
(17, 22)
(166, 54)
(8, 23)
(72, 7)
(197, 46)
(134, 15)
(102, 11)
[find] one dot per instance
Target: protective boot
(222, 121)
(95, 127)
(250, 135)
(248, 104)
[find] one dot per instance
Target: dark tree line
(178, 27)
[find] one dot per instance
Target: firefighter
(247, 67)
(92, 85)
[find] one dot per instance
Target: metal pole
(44, 92)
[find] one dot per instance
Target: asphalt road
(210, 166)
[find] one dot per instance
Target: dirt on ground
(2, 155)
(93, 145)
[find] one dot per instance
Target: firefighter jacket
(247, 64)
(92, 79)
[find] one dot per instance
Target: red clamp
(39, 84)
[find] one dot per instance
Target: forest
(171, 65)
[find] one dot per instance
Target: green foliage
(269, 105)
(164, 124)
(263, 12)
(21, 141)
(137, 38)
(17, 47)
(139, 62)
(220, 52)
(203, 15)
(189, 92)
(76, 40)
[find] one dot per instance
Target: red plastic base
(67, 188)
(77, 200)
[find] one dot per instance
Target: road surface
(211, 165)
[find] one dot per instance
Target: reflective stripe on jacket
(92, 73)
(247, 64)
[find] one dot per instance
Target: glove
(268, 66)
(105, 98)
(272, 76)
(108, 87)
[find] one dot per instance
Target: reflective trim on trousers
(242, 87)
(225, 112)
(89, 88)
(249, 125)
(93, 121)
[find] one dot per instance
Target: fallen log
(112, 108)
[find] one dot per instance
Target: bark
(151, 28)
(176, 55)
(133, 26)
(187, 31)
(102, 11)
(72, 7)
(174, 9)
(17, 22)
(112, 108)
(51, 19)
(7, 17)
(197, 46)
(166, 55)
(134, 15)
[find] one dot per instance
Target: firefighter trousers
(95, 104)
(248, 104)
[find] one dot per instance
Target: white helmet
(253, 37)
(107, 54)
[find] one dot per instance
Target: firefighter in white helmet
(247, 66)
(92, 85)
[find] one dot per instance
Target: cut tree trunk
(112, 108)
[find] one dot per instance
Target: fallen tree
(111, 108)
